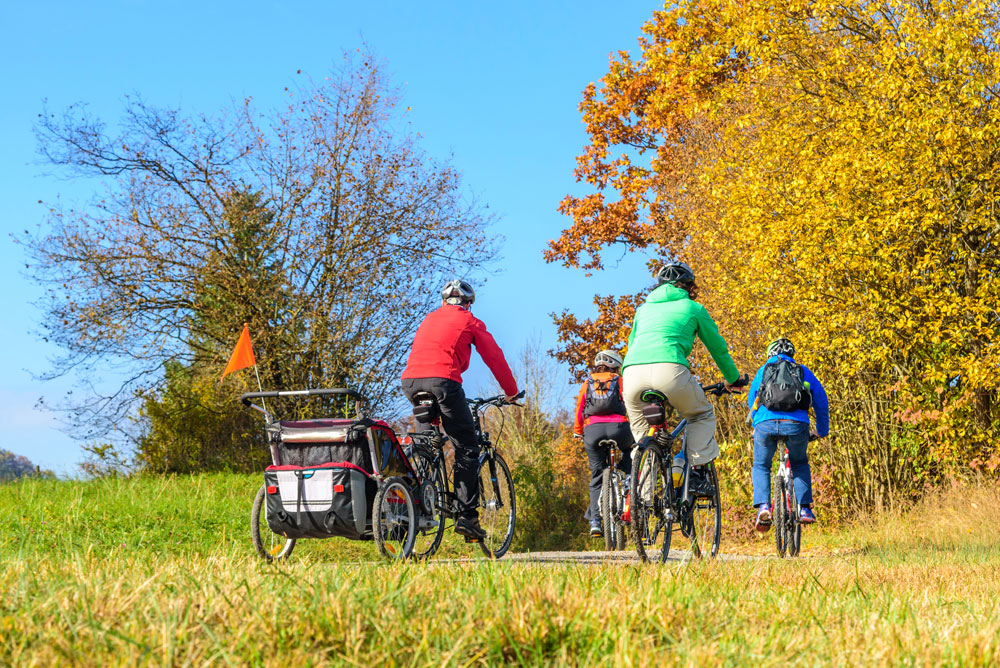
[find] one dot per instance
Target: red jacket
(443, 346)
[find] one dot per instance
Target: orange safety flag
(242, 356)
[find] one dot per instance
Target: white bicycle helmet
(608, 358)
(458, 292)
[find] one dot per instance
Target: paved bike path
(620, 557)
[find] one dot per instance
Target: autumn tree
(323, 225)
(830, 170)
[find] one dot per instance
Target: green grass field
(161, 571)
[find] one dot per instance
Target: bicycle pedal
(472, 539)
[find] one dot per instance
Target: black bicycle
(614, 488)
(661, 503)
(786, 508)
(436, 500)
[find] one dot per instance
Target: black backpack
(603, 398)
(783, 387)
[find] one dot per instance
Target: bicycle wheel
(706, 520)
(618, 506)
(608, 511)
(395, 519)
(270, 546)
(497, 505)
(779, 515)
(794, 525)
(651, 501)
(429, 503)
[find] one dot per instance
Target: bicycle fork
(496, 502)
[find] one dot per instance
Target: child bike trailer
(332, 478)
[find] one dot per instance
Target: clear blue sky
(494, 85)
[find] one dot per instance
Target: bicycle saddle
(425, 407)
(655, 411)
(653, 396)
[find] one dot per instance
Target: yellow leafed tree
(830, 170)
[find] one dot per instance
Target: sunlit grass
(119, 579)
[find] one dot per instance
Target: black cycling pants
(456, 419)
(597, 455)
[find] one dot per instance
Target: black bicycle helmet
(677, 273)
(458, 292)
(780, 346)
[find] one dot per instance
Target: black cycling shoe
(469, 527)
(699, 483)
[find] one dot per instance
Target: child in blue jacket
(768, 425)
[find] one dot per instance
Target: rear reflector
(272, 489)
(338, 488)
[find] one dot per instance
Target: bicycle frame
(449, 503)
(666, 443)
(486, 453)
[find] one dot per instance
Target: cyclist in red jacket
(440, 354)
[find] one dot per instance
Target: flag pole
(259, 386)
(257, 373)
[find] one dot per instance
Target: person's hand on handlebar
(512, 398)
(734, 387)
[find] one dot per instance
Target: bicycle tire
(650, 498)
(618, 496)
(275, 550)
(429, 504)
(706, 520)
(497, 506)
(794, 525)
(606, 511)
(778, 517)
(612, 503)
(395, 519)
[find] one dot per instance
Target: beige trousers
(685, 395)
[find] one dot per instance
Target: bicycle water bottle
(678, 469)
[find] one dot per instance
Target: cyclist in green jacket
(663, 332)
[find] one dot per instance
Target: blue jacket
(820, 404)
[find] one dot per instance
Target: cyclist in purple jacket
(769, 424)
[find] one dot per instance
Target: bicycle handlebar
(343, 391)
(718, 389)
(499, 400)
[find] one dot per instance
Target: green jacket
(664, 328)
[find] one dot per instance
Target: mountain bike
(787, 525)
(656, 508)
(614, 487)
(436, 500)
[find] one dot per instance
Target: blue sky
(493, 85)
